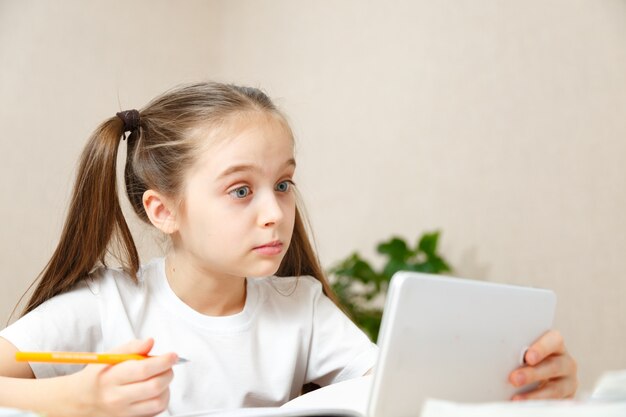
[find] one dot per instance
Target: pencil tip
(182, 360)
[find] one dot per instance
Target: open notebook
(441, 337)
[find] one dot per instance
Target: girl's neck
(203, 291)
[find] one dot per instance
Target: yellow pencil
(81, 357)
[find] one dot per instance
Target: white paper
(12, 412)
(554, 408)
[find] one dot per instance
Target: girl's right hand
(128, 389)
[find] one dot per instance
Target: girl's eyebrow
(250, 167)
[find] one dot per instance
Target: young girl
(240, 294)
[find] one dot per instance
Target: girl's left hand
(549, 363)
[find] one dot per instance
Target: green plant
(359, 287)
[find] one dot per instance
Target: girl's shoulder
(104, 277)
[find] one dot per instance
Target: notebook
(441, 337)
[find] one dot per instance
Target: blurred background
(501, 124)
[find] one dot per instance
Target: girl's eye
(240, 192)
(284, 186)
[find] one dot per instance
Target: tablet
(453, 339)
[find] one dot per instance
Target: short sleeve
(66, 322)
(339, 349)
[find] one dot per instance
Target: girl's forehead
(251, 139)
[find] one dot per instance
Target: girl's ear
(159, 212)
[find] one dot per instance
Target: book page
(272, 412)
(352, 394)
(343, 399)
(554, 408)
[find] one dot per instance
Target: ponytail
(94, 219)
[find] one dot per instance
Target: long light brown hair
(158, 152)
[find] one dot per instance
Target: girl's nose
(270, 211)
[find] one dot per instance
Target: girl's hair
(158, 150)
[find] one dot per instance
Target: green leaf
(396, 249)
(355, 267)
(364, 272)
(420, 267)
(394, 266)
(439, 265)
(428, 243)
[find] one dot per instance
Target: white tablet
(453, 339)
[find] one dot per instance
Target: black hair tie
(130, 119)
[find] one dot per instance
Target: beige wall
(500, 123)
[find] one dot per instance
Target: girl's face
(239, 204)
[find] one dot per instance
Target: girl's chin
(264, 270)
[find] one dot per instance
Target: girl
(212, 166)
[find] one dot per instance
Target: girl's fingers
(553, 367)
(134, 371)
(144, 390)
(549, 364)
(148, 397)
(549, 344)
(149, 407)
(554, 389)
(131, 388)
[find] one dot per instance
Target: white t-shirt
(288, 334)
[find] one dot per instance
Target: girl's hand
(129, 389)
(549, 363)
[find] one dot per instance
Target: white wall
(500, 123)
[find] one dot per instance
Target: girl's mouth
(271, 248)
